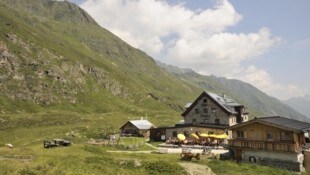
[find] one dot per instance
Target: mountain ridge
(55, 59)
(301, 104)
(244, 93)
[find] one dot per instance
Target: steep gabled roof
(278, 122)
(140, 124)
(225, 103)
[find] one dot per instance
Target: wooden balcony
(264, 145)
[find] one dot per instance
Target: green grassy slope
(62, 60)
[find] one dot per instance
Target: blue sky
(264, 43)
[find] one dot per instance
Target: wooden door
(238, 155)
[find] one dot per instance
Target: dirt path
(25, 159)
(196, 169)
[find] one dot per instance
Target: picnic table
(56, 143)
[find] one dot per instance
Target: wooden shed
(140, 128)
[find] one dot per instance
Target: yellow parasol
(222, 136)
(195, 136)
(181, 137)
(204, 135)
(213, 135)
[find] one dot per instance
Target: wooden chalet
(273, 141)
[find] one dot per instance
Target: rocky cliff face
(31, 76)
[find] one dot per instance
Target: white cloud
(220, 53)
(143, 23)
(197, 39)
(262, 80)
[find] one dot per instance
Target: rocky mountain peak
(57, 10)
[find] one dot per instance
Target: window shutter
(245, 134)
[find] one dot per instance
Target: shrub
(161, 167)
(27, 171)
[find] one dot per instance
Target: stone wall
(290, 161)
(289, 165)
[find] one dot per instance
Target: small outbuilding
(140, 128)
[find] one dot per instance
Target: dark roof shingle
(287, 123)
(279, 122)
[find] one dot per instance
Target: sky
(264, 43)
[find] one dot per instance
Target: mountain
(55, 57)
(301, 104)
(258, 103)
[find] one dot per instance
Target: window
(205, 100)
(197, 110)
(205, 111)
(186, 133)
(174, 133)
(240, 134)
(284, 135)
(194, 121)
(269, 136)
(213, 110)
(217, 121)
(206, 120)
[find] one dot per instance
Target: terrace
(264, 145)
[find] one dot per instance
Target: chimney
(223, 95)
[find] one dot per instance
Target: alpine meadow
(61, 75)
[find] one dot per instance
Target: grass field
(89, 159)
(81, 158)
(28, 157)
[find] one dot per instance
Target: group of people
(200, 141)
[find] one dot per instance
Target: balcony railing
(264, 145)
